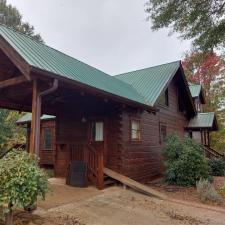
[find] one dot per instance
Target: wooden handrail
(89, 154)
(213, 152)
(95, 166)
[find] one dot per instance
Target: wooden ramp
(134, 184)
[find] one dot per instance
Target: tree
(208, 70)
(22, 181)
(202, 22)
(12, 18)
(10, 133)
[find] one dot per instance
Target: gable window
(162, 132)
(164, 98)
(48, 138)
(97, 131)
(135, 130)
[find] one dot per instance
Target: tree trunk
(9, 217)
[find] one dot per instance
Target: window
(180, 101)
(162, 133)
(164, 98)
(135, 130)
(48, 145)
(97, 131)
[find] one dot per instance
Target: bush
(22, 181)
(184, 161)
(217, 167)
(207, 192)
(222, 191)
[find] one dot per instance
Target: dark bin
(78, 174)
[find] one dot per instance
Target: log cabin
(117, 122)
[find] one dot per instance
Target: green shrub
(217, 167)
(207, 192)
(184, 161)
(22, 181)
(222, 191)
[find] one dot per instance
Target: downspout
(38, 123)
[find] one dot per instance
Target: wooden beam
(12, 82)
(15, 58)
(35, 122)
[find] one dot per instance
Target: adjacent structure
(119, 122)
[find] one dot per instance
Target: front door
(97, 137)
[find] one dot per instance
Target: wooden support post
(208, 139)
(100, 178)
(35, 123)
(36, 113)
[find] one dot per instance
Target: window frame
(139, 139)
(161, 138)
(93, 134)
(51, 138)
(165, 94)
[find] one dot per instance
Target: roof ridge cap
(147, 68)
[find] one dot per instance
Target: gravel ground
(113, 206)
(125, 207)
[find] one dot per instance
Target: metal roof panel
(48, 59)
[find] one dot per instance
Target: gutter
(39, 102)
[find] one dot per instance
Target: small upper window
(48, 143)
(163, 133)
(164, 98)
(97, 131)
(135, 130)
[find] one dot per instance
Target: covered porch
(88, 124)
(200, 128)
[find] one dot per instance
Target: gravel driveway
(116, 206)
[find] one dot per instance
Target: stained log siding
(71, 130)
(142, 160)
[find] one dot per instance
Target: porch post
(208, 139)
(35, 123)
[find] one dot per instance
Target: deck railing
(209, 152)
(94, 159)
(95, 166)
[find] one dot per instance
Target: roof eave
(91, 89)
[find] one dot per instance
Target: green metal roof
(203, 120)
(28, 117)
(48, 59)
(195, 90)
(150, 82)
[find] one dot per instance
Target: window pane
(99, 131)
(164, 98)
(135, 130)
(48, 138)
(135, 125)
(134, 134)
(163, 133)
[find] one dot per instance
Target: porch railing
(209, 152)
(95, 167)
(94, 159)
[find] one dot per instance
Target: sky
(111, 35)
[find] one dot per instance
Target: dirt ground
(113, 206)
(185, 193)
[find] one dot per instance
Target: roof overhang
(92, 90)
(203, 121)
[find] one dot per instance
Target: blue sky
(111, 35)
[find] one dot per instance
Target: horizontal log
(12, 82)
